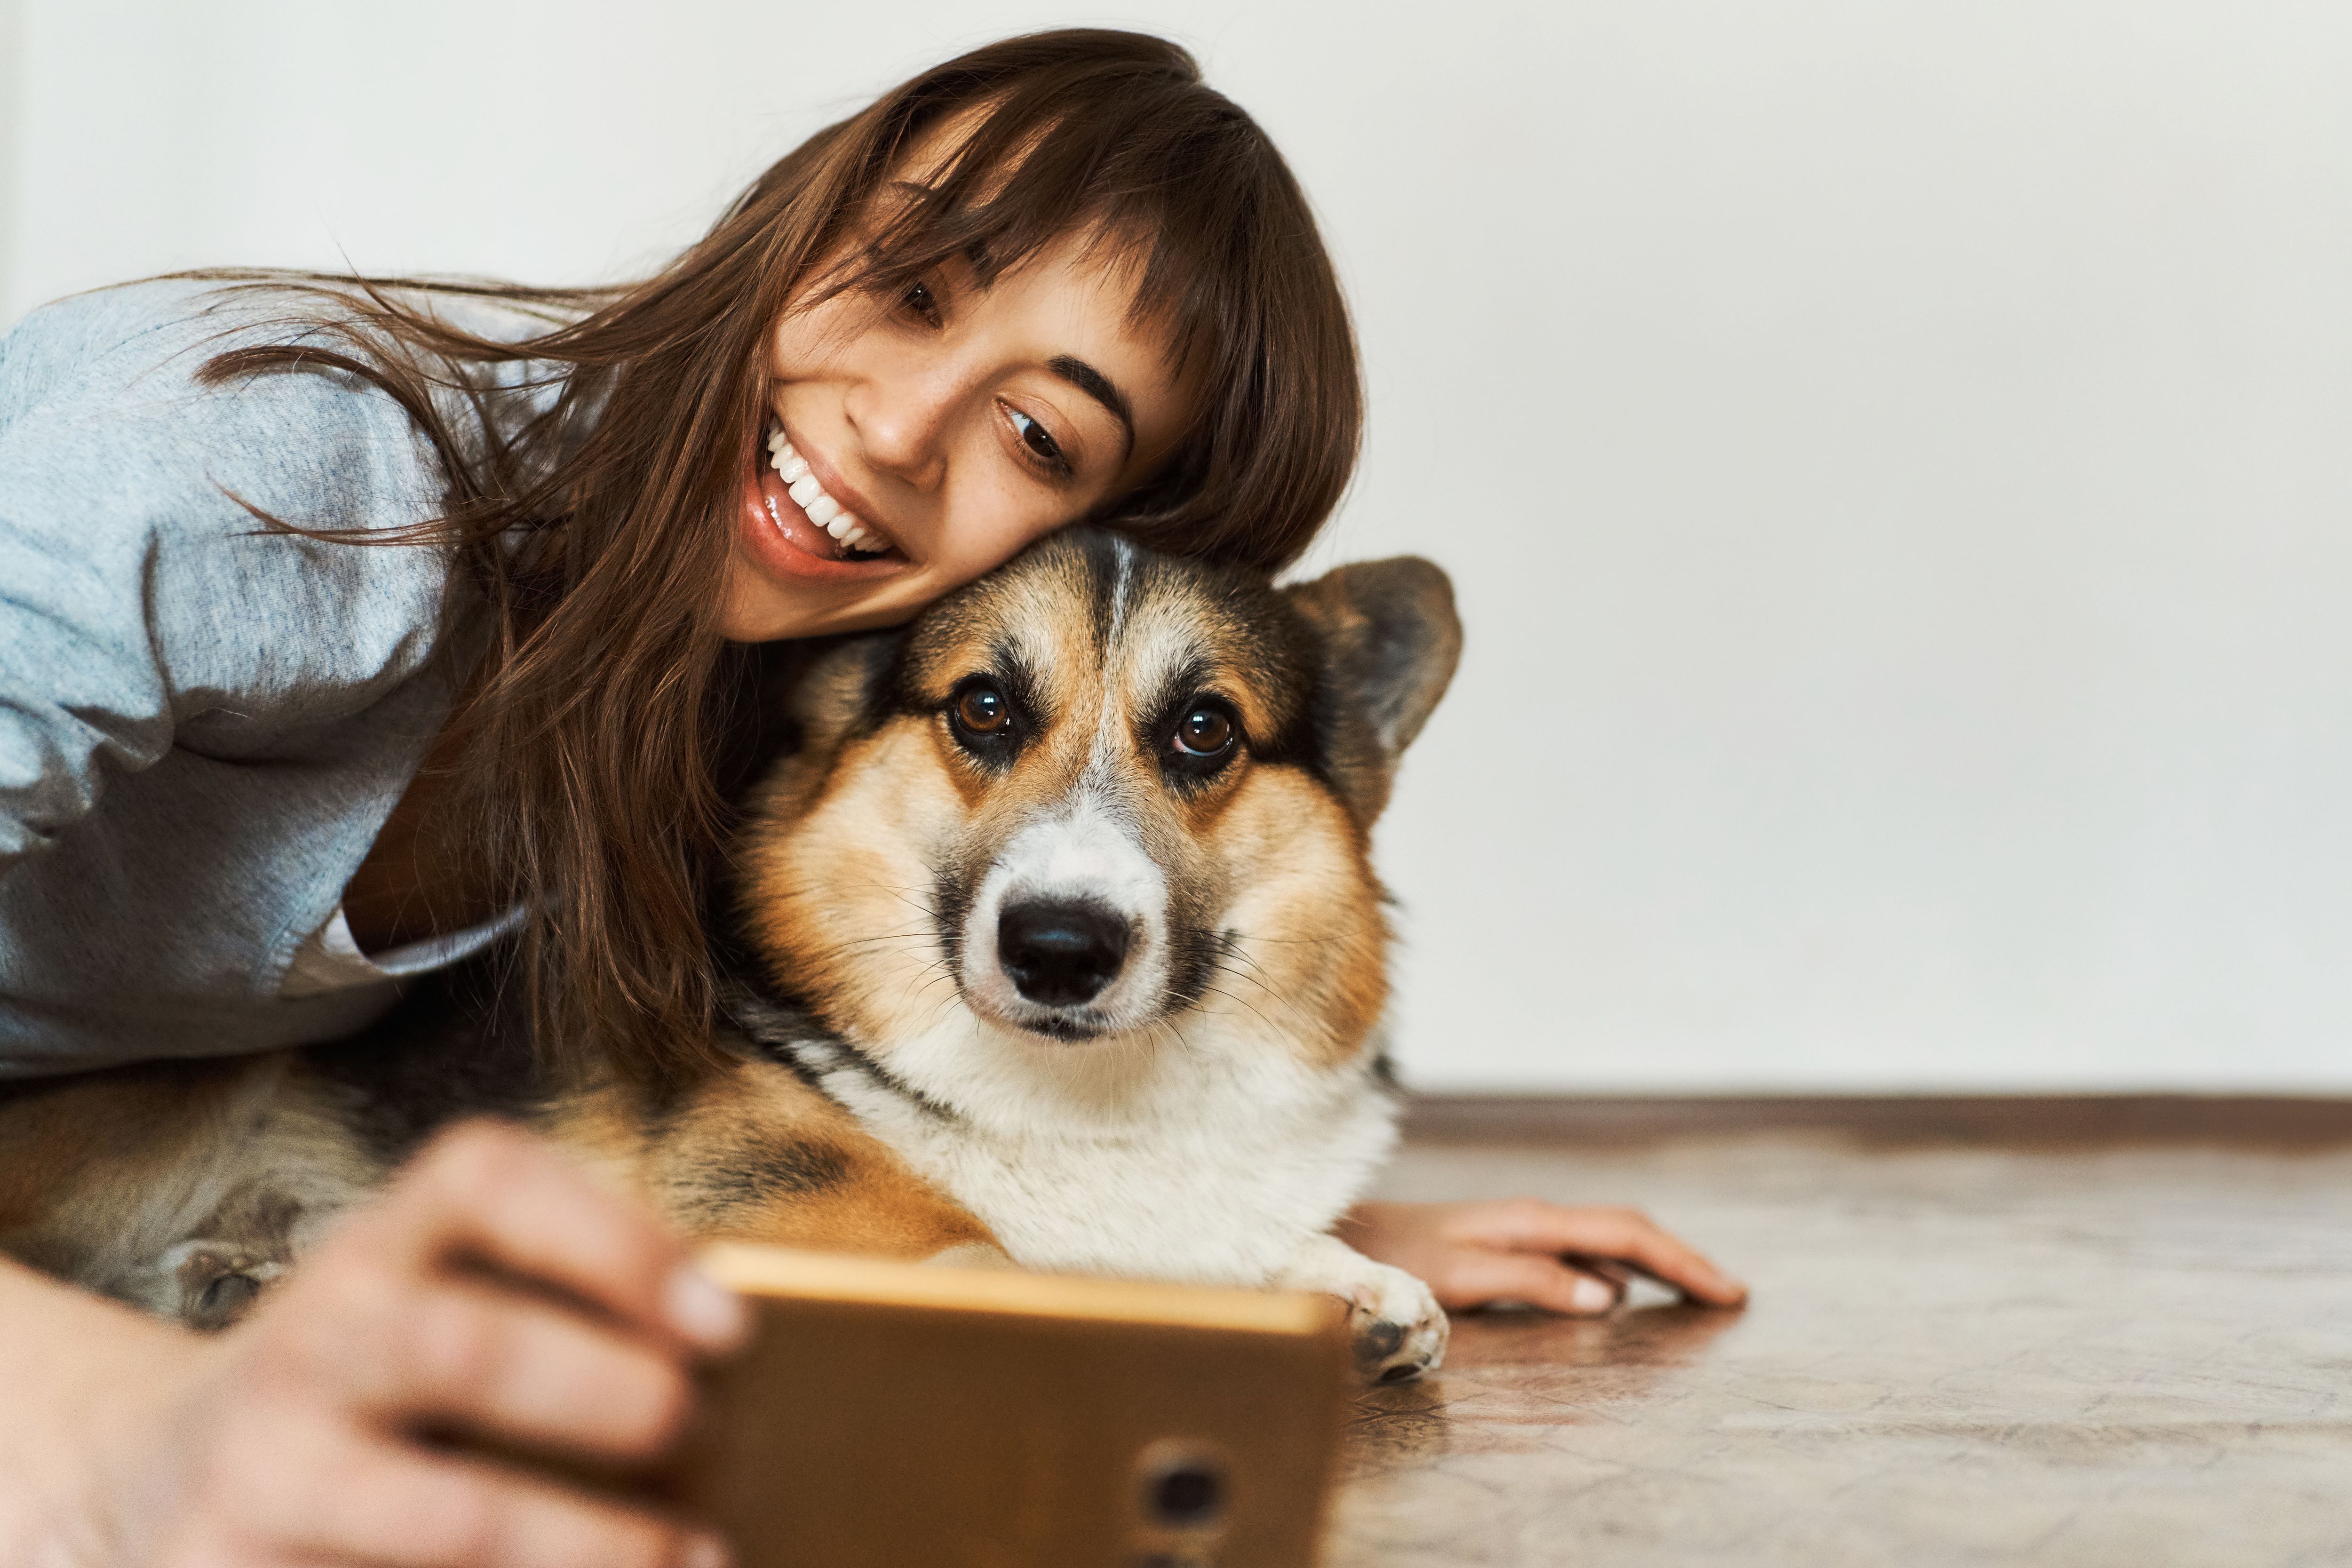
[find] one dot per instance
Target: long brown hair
(599, 523)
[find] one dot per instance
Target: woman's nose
(901, 422)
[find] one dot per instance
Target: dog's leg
(856, 1195)
(1398, 1327)
(751, 1152)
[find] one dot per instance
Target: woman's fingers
(495, 1196)
(1474, 1277)
(1436, 1241)
(503, 1365)
(1621, 1235)
(362, 1499)
(499, 1290)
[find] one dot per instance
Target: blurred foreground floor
(2115, 1353)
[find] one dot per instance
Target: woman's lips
(780, 534)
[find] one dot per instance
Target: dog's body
(1055, 934)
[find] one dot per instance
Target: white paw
(1398, 1329)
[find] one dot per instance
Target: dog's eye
(985, 722)
(983, 710)
(1204, 733)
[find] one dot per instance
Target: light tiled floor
(2128, 1356)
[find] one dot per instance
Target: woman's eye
(1039, 440)
(920, 299)
(983, 710)
(1204, 733)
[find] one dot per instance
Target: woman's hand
(1573, 1261)
(494, 1289)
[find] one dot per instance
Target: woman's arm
(1573, 1261)
(496, 1289)
(141, 592)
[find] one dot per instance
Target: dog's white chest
(1171, 1214)
(1215, 1186)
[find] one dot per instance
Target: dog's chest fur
(1205, 1160)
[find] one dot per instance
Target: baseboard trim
(2054, 1120)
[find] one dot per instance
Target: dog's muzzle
(1066, 935)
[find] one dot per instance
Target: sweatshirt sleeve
(82, 684)
(136, 592)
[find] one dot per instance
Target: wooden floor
(2099, 1341)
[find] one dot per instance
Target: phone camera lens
(1189, 1494)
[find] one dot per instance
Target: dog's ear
(843, 687)
(808, 695)
(1389, 641)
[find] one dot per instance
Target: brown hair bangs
(594, 468)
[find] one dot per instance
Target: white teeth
(809, 496)
(789, 465)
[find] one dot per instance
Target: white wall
(12, 73)
(1894, 459)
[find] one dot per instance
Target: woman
(347, 627)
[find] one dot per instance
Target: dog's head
(1097, 793)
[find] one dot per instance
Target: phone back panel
(894, 1415)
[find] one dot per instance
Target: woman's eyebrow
(1099, 387)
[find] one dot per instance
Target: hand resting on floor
(1576, 1260)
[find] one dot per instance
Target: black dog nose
(1060, 954)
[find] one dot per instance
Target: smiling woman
(1057, 278)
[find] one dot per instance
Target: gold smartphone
(901, 1415)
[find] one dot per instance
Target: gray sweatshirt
(202, 726)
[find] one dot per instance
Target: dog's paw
(1398, 1329)
(215, 1285)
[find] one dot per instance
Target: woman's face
(952, 428)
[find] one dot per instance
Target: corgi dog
(1052, 940)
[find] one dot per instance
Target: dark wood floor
(1974, 1341)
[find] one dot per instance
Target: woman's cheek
(1001, 538)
